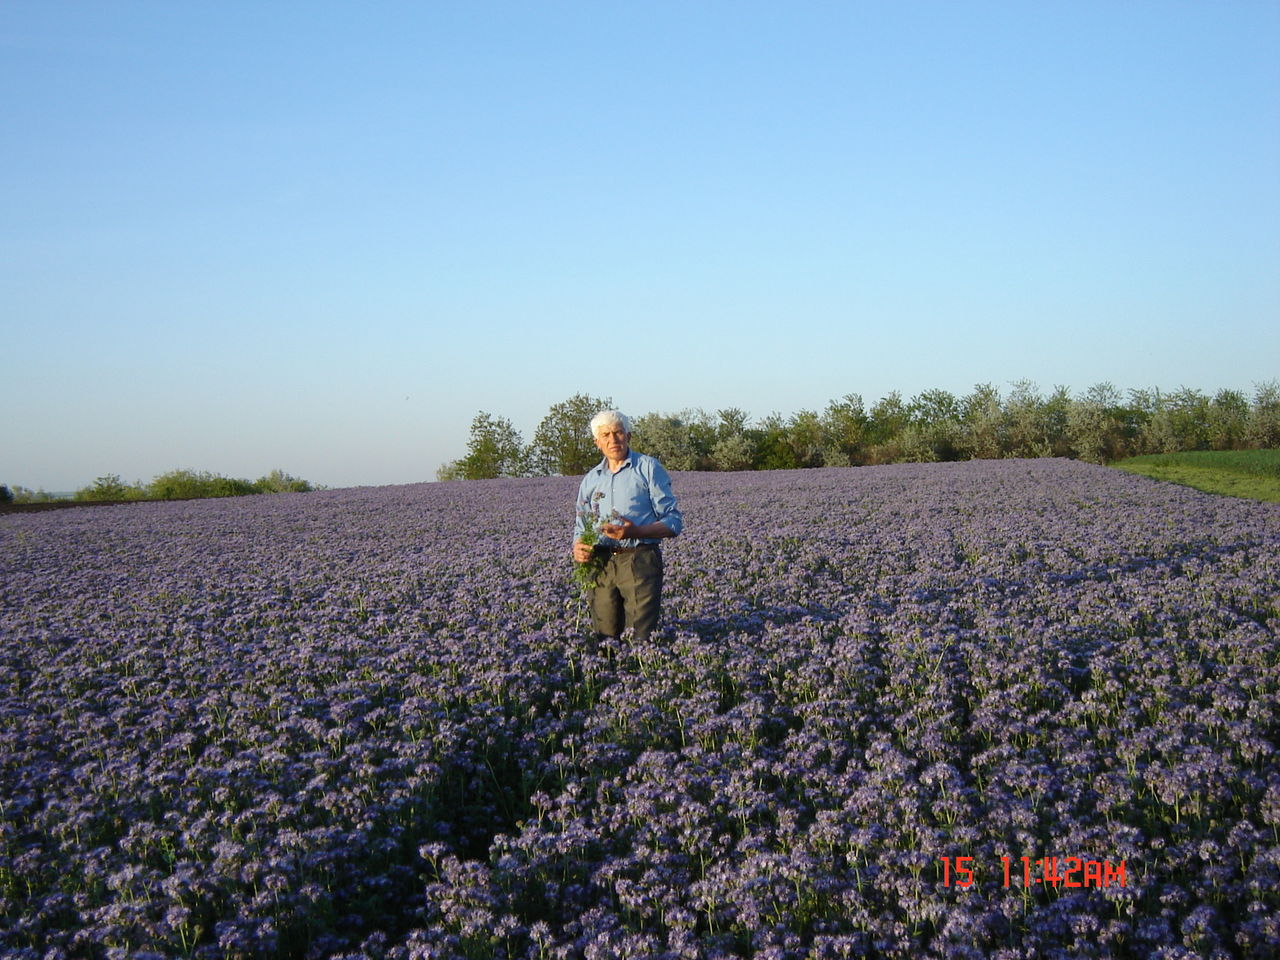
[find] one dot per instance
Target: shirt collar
(603, 466)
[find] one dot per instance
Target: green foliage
(587, 575)
(1228, 420)
(196, 485)
(733, 448)
(703, 436)
(934, 406)
(450, 471)
(1101, 425)
(934, 430)
(6, 495)
(1263, 429)
(889, 418)
(1258, 463)
(670, 438)
(773, 451)
(277, 481)
(733, 452)
(26, 495)
(563, 444)
(1254, 474)
(982, 418)
(731, 422)
(1026, 422)
(494, 450)
(805, 437)
(111, 487)
(844, 427)
(186, 485)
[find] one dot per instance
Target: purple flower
(367, 723)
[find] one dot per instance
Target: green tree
(563, 444)
(983, 421)
(731, 422)
(844, 425)
(1057, 413)
(1154, 422)
(666, 437)
(450, 471)
(111, 487)
(772, 444)
(1189, 418)
(733, 452)
(1086, 429)
(1096, 424)
(6, 495)
(933, 406)
(888, 421)
(1026, 421)
(1228, 420)
(1263, 430)
(194, 485)
(277, 481)
(933, 431)
(25, 495)
(805, 435)
(494, 449)
(733, 448)
(703, 435)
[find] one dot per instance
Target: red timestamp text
(1066, 872)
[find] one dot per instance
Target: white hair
(609, 418)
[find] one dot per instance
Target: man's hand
(624, 529)
(581, 551)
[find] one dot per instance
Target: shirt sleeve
(665, 509)
(578, 526)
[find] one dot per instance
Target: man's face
(612, 441)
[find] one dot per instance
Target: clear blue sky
(322, 236)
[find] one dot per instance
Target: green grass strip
(1251, 474)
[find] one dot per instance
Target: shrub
(450, 471)
(669, 438)
(181, 485)
(494, 450)
(277, 481)
(191, 485)
(111, 487)
(24, 495)
(563, 444)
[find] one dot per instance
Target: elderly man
(630, 494)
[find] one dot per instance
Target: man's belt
(643, 546)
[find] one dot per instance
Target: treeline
(1102, 424)
(174, 485)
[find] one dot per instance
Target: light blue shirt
(639, 491)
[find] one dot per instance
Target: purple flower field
(372, 723)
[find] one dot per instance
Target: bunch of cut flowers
(587, 575)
